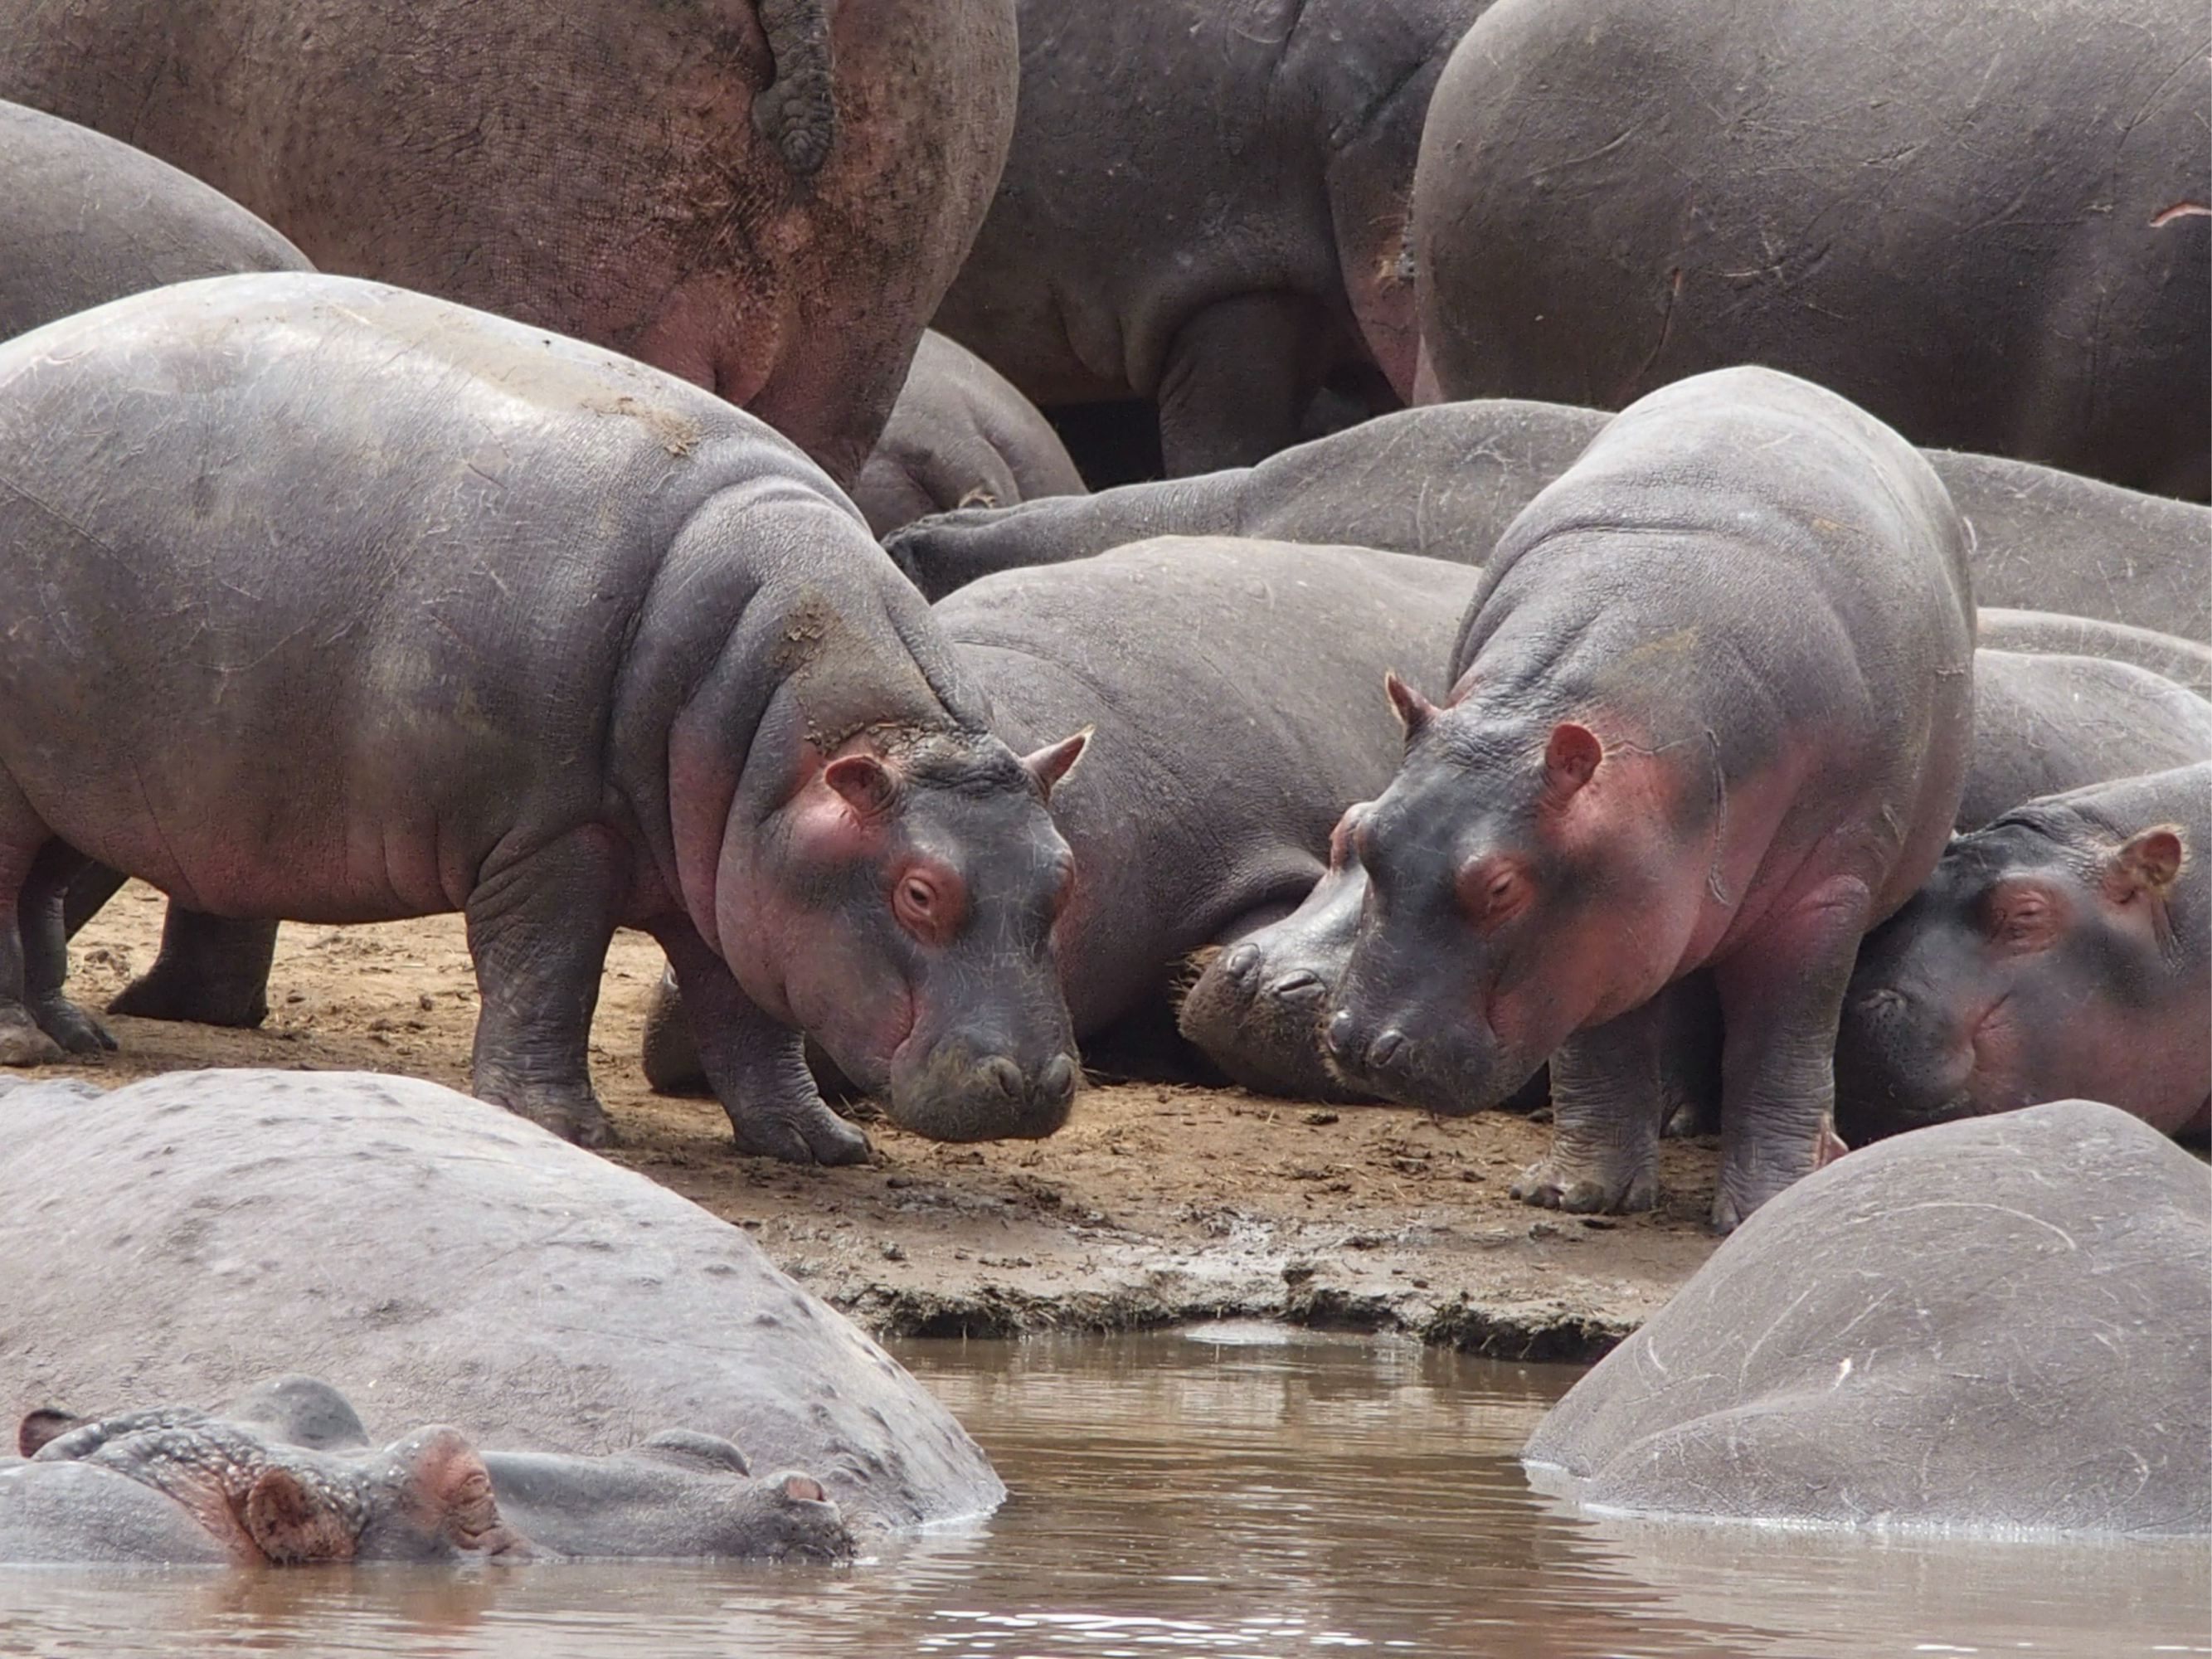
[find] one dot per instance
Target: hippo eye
(926, 908)
(1492, 892)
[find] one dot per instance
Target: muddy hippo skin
(1446, 481)
(84, 219)
(1713, 707)
(768, 199)
(2066, 948)
(1203, 807)
(2000, 1323)
(548, 1300)
(960, 435)
(2001, 245)
(2041, 725)
(1205, 206)
(719, 714)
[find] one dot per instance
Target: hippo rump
(311, 654)
(960, 435)
(1204, 803)
(2183, 662)
(2066, 947)
(1205, 206)
(1445, 480)
(84, 219)
(1987, 224)
(1712, 708)
(2041, 725)
(192, 1235)
(768, 199)
(1994, 1324)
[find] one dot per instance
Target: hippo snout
(1440, 1072)
(956, 1094)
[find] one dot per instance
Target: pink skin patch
(2166, 216)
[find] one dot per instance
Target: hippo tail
(797, 111)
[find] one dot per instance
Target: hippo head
(2005, 981)
(1515, 874)
(899, 908)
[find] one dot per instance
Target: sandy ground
(1155, 1204)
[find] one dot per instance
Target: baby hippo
(2065, 952)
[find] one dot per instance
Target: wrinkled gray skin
(1203, 806)
(720, 716)
(960, 435)
(2064, 950)
(1712, 708)
(2000, 1324)
(1446, 481)
(1986, 225)
(766, 197)
(680, 1494)
(549, 1300)
(84, 219)
(1205, 206)
(2041, 725)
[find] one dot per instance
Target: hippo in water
(2000, 1323)
(1712, 708)
(2066, 949)
(1989, 225)
(541, 1297)
(1446, 481)
(332, 669)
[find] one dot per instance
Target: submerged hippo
(84, 219)
(1446, 481)
(288, 1475)
(546, 1299)
(1203, 806)
(2064, 950)
(1713, 708)
(2041, 725)
(332, 669)
(2000, 1323)
(1990, 225)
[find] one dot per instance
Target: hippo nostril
(1299, 985)
(1002, 1075)
(1881, 1002)
(1337, 1034)
(1385, 1048)
(1239, 964)
(1056, 1082)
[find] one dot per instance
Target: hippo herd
(1653, 607)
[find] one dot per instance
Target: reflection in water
(1239, 1489)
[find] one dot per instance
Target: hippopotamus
(1204, 805)
(768, 199)
(1446, 480)
(167, 1242)
(330, 670)
(1206, 207)
(84, 219)
(960, 435)
(2042, 724)
(2000, 1323)
(2065, 949)
(2183, 662)
(288, 1474)
(1712, 708)
(1990, 226)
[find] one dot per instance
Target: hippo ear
(1415, 710)
(291, 1525)
(38, 1427)
(2146, 862)
(869, 786)
(1571, 758)
(1055, 761)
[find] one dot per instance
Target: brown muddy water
(1246, 1490)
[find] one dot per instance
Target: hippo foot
(69, 1026)
(573, 1117)
(1557, 1184)
(156, 995)
(811, 1133)
(23, 1044)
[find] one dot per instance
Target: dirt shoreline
(1155, 1206)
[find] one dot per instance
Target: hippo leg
(671, 1059)
(1237, 378)
(758, 1068)
(539, 929)
(1608, 1105)
(1781, 995)
(45, 952)
(211, 969)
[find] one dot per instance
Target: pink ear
(1571, 757)
(1055, 761)
(291, 1525)
(868, 786)
(1415, 710)
(2146, 862)
(38, 1427)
